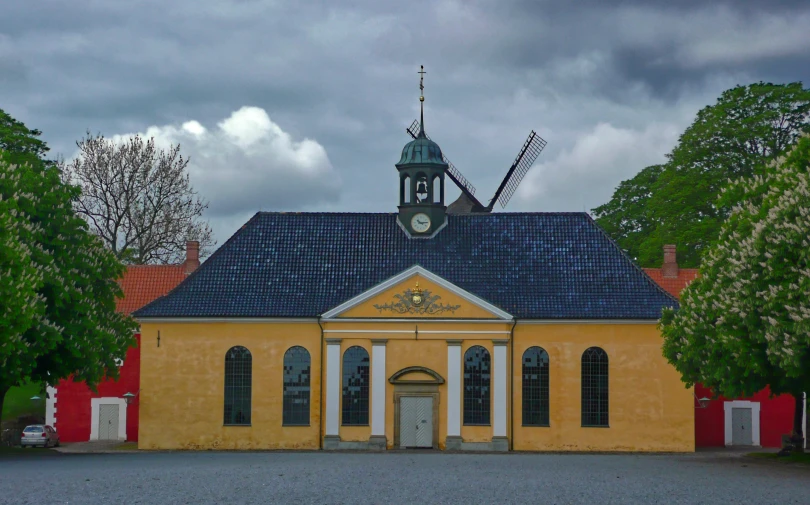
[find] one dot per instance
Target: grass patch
(18, 402)
(793, 458)
(12, 451)
(127, 446)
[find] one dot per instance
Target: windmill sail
(529, 152)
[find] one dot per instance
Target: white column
(332, 386)
(378, 387)
(454, 388)
(804, 419)
(50, 406)
(499, 388)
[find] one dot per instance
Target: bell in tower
(421, 168)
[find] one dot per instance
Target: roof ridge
(475, 214)
(171, 265)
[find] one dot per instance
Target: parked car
(39, 434)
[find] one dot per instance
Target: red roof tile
(143, 283)
(673, 285)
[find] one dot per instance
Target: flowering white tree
(745, 322)
(57, 280)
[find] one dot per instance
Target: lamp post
(702, 402)
(36, 400)
(131, 398)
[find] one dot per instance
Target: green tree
(745, 322)
(59, 283)
(747, 128)
(18, 141)
(626, 217)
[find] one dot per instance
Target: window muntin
(477, 386)
(355, 386)
(594, 387)
(535, 387)
(238, 378)
(297, 375)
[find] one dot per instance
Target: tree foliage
(138, 199)
(59, 283)
(19, 142)
(746, 129)
(626, 217)
(745, 322)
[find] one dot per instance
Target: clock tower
(421, 169)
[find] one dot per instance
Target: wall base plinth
(452, 444)
(377, 443)
(331, 442)
(500, 444)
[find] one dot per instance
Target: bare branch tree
(139, 199)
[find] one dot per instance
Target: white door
(107, 422)
(416, 421)
(741, 427)
(407, 421)
(424, 421)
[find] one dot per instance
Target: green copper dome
(421, 150)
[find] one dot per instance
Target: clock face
(420, 223)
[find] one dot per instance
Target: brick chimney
(192, 256)
(670, 266)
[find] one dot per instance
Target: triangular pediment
(417, 293)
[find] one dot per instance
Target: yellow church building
(444, 327)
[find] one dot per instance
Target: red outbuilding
(760, 420)
(81, 415)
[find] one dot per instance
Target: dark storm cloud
(609, 83)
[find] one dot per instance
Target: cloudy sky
(302, 106)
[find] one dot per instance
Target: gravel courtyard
(399, 477)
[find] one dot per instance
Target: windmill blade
(454, 173)
(531, 149)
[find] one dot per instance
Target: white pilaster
(454, 388)
(50, 406)
(332, 386)
(499, 389)
(378, 387)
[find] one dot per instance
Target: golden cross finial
(421, 83)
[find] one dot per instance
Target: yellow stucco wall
(181, 400)
(182, 386)
(650, 409)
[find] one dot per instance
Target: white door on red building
(108, 422)
(741, 427)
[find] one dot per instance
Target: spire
(421, 101)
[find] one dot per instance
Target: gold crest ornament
(417, 301)
(416, 295)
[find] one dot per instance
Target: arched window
(238, 377)
(405, 190)
(594, 387)
(355, 386)
(535, 387)
(296, 387)
(438, 190)
(476, 386)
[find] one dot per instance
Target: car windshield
(33, 429)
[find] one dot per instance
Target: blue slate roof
(532, 265)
